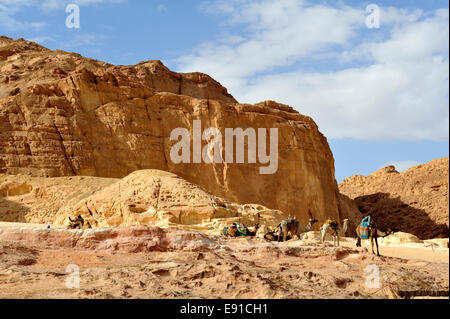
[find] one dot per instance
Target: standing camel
(292, 225)
(374, 233)
(335, 231)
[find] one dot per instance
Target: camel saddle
(364, 231)
(235, 230)
(334, 225)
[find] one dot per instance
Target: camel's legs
(285, 230)
(324, 232)
(371, 244)
(376, 242)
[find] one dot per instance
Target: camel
(79, 223)
(274, 237)
(239, 229)
(236, 230)
(292, 226)
(374, 233)
(335, 231)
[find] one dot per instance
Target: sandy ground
(406, 252)
(27, 225)
(242, 268)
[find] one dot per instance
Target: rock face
(415, 201)
(146, 197)
(65, 115)
(131, 239)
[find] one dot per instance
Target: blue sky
(380, 95)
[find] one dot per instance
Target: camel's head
(312, 221)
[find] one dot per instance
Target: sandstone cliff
(62, 115)
(415, 201)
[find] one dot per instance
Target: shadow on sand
(392, 213)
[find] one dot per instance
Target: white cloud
(9, 23)
(280, 33)
(8, 8)
(398, 89)
(41, 39)
(59, 4)
(401, 166)
(83, 39)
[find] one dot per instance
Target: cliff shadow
(11, 211)
(392, 213)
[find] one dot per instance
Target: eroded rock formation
(415, 201)
(62, 115)
(146, 197)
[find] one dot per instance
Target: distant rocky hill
(65, 115)
(414, 201)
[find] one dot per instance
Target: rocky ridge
(415, 201)
(65, 115)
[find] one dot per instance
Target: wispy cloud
(41, 39)
(355, 82)
(83, 39)
(58, 4)
(9, 8)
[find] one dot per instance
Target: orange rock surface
(415, 201)
(62, 114)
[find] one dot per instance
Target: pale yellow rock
(145, 197)
(399, 238)
(437, 242)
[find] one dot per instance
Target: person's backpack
(364, 228)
